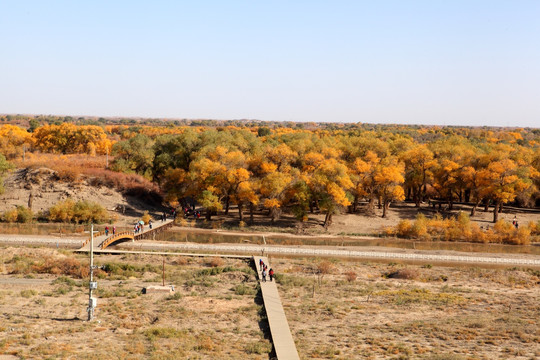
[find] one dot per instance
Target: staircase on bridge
(102, 241)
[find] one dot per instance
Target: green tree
(135, 155)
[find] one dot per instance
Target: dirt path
(360, 253)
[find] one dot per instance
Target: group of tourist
(265, 271)
(139, 228)
(107, 230)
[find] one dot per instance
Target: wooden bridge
(101, 241)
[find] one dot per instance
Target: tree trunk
(386, 205)
(327, 220)
(501, 208)
(355, 204)
(240, 207)
(486, 205)
(473, 210)
(379, 202)
(208, 215)
(467, 195)
(251, 211)
(371, 204)
(496, 212)
(227, 203)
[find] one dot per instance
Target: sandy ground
(336, 309)
(208, 317)
(40, 189)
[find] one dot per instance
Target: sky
(460, 62)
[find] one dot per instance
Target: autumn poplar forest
(248, 166)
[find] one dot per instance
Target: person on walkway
(114, 230)
(261, 264)
(264, 275)
(271, 274)
(106, 231)
(150, 224)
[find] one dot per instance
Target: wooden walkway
(279, 327)
(101, 241)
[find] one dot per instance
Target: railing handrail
(128, 233)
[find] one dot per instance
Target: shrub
(82, 211)
(460, 228)
(20, 214)
(404, 228)
(146, 217)
(24, 214)
(10, 216)
(28, 293)
(242, 289)
(350, 276)
(215, 262)
(419, 228)
(405, 273)
(62, 266)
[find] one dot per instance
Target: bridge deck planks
(279, 327)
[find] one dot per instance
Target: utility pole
(91, 285)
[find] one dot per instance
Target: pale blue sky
(425, 62)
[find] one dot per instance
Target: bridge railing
(96, 234)
(121, 235)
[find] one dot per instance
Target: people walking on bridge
(106, 231)
(114, 230)
(261, 264)
(271, 274)
(264, 275)
(150, 224)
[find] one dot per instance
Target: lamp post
(92, 285)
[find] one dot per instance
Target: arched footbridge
(102, 241)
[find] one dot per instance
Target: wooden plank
(279, 327)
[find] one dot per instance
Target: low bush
(460, 228)
(20, 214)
(350, 276)
(82, 211)
(215, 262)
(405, 273)
(62, 266)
